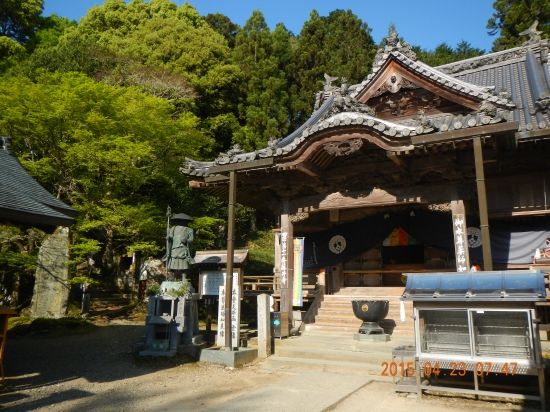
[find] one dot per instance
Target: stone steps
(335, 352)
(333, 355)
(328, 344)
(109, 303)
(334, 366)
(336, 312)
(354, 329)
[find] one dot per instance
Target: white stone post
(264, 330)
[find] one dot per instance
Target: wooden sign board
(211, 280)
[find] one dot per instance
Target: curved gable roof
(22, 199)
(513, 85)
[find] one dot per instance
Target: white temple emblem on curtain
(474, 237)
(337, 244)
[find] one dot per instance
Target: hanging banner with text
(461, 243)
(298, 244)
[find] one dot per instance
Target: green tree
(444, 54)
(511, 17)
(340, 45)
(224, 26)
(263, 93)
(19, 19)
(112, 153)
(163, 35)
(11, 53)
(50, 29)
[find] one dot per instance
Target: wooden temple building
(372, 178)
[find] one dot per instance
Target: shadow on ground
(103, 355)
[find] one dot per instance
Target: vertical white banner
(221, 317)
(461, 243)
(235, 316)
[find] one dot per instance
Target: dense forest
(102, 112)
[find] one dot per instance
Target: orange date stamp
(455, 369)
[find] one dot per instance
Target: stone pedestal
(378, 337)
(264, 330)
(229, 358)
(51, 291)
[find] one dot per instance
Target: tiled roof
(432, 74)
(525, 77)
(515, 82)
(22, 199)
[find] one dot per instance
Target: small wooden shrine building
(388, 161)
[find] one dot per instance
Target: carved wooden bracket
(343, 147)
(440, 207)
(299, 217)
(395, 83)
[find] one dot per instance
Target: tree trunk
(108, 256)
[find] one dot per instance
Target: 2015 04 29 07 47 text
(456, 369)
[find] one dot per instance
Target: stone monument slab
(51, 291)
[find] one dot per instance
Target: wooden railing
(268, 284)
(259, 284)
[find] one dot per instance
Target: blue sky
(426, 23)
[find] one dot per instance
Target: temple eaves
(490, 82)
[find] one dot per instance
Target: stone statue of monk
(180, 244)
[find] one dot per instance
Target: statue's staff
(168, 213)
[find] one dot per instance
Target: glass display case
(471, 333)
(479, 332)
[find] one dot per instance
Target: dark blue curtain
(511, 242)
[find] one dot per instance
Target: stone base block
(191, 349)
(193, 340)
(228, 358)
(157, 353)
(378, 337)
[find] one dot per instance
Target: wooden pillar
(287, 262)
(482, 198)
(230, 252)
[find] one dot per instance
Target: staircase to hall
(328, 344)
(336, 314)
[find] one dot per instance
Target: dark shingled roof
(22, 199)
(522, 71)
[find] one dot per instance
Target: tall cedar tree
(19, 19)
(339, 45)
(262, 104)
(444, 54)
(224, 26)
(511, 17)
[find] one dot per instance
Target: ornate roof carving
(391, 44)
(402, 53)
(498, 57)
(394, 84)
(434, 75)
(337, 106)
(388, 131)
(343, 147)
(477, 62)
(533, 33)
